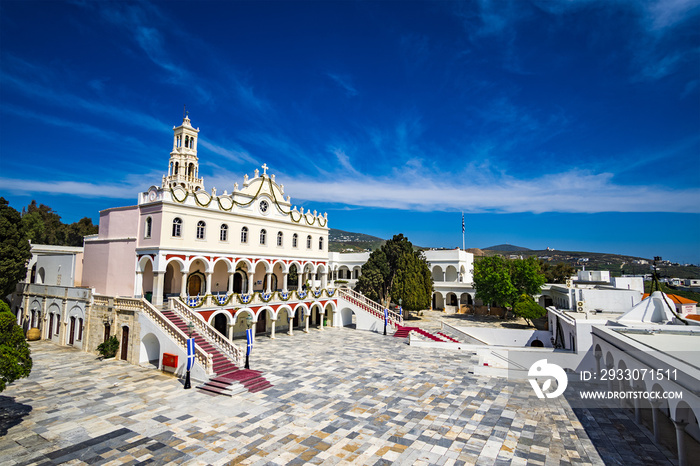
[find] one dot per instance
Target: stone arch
(316, 313)
(451, 299)
(330, 313)
(220, 320)
(356, 272)
(451, 274)
(41, 276)
(219, 278)
(150, 350)
(344, 273)
(242, 314)
(172, 282)
(347, 317)
(283, 317)
(465, 299)
(301, 310)
(437, 274)
(201, 263)
(438, 301)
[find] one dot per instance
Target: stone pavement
(341, 396)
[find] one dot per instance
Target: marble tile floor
(341, 396)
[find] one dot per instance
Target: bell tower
(183, 169)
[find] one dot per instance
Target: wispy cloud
(345, 82)
(236, 155)
(573, 191)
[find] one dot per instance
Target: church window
(177, 227)
(177, 165)
(320, 243)
(187, 141)
(200, 229)
(295, 240)
(279, 238)
(223, 235)
(244, 235)
(149, 225)
(308, 242)
(263, 235)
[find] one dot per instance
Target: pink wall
(119, 222)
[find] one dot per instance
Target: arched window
(177, 165)
(187, 141)
(244, 235)
(279, 238)
(308, 242)
(295, 240)
(177, 227)
(320, 243)
(80, 329)
(263, 235)
(223, 235)
(149, 225)
(200, 229)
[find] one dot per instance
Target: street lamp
(190, 327)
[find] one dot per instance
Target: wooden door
(50, 325)
(71, 335)
(195, 285)
(125, 343)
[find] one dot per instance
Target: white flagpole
(463, 231)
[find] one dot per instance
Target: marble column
(272, 333)
(183, 285)
(284, 282)
(680, 442)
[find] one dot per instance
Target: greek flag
(249, 339)
(386, 315)
(190, 353)
(462, 222)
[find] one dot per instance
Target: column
(272, 333)
(637, 411)
(183, 285)
(300, 277)
(138, 285)
(324, 280)
(291, 326)
(230, 282)
(268, 283)
(655, 408)
(250, 283)
(230, 331)
(207, 290)
(158, 280)
(284, 282)
(321, 323)
(680, 441)
(610, 382)
(306, 324)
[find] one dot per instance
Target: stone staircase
(229, 379)
(403, 332)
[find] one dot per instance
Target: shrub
(108, 349)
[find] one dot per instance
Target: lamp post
(190, 327)
(400, 309)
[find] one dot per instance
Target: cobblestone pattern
(343, 397)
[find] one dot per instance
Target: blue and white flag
(386, 315)
(400, 311)
(249, 340)
(190, 353)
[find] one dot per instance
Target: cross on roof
(264, 167)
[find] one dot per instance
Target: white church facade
(245, 250)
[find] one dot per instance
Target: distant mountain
(506, 248)
(346, 241)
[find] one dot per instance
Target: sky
(573, 125)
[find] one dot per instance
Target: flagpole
(463, 231)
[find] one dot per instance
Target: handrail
(374, 307)
(178, 335)
(209, 333)
(165, 324)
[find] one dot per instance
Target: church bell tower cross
(183, 169)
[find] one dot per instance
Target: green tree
(559, 273)
(76, 231)
(501, 281)
(396, 272)
(15, 357)
(53, 231)
(492, 281)
(15, 250)
(528, 309)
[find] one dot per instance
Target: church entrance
(125, 343)
(261, 325)
(194, 284)
(220, 324)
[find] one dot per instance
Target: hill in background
(345, 241)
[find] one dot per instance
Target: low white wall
(167, 345)
(506, 336)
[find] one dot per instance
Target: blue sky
(573, 125)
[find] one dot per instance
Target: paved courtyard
(340, 396)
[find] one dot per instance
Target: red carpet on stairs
(226, 373)
(403, 332)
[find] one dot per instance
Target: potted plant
(108, 349)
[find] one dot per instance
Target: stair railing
(209, 333)
(157, 317)
(395, 318)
